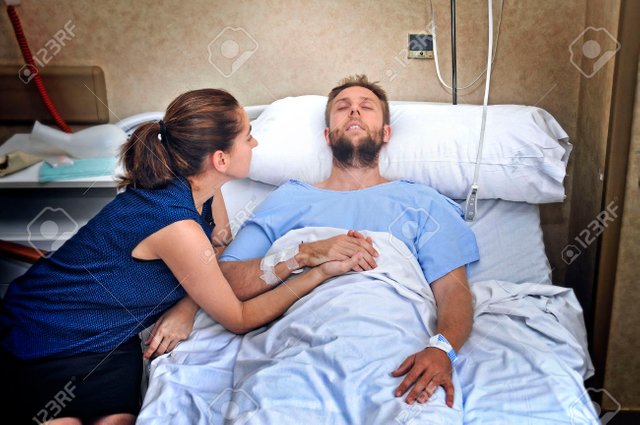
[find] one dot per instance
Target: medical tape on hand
(268, 263)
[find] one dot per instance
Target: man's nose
(355, 111)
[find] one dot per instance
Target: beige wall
(590, 151)
(153, 50)
(623, 363)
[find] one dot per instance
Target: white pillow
(524, 157)
(510, 241)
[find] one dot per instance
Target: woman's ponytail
(146, 159)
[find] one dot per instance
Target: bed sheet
(524, 361)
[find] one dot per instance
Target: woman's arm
(182, 246)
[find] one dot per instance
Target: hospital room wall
(589, 158)
(622, 361)
(151, 51)
(607, 181)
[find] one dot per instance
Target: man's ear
(326, 136)
(220, 161)
(386, 130)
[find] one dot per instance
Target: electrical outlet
(420, 46)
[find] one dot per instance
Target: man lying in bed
(356, 196)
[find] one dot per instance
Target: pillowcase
(510, 241)
(524, 157)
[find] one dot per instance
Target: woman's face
(241, 150)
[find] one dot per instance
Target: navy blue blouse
(91, 295)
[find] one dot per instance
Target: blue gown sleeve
(444, 241)
(250, 242)
(258, 233)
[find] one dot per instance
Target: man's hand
(340, 248)
(426, 371)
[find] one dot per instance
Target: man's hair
(359, 80)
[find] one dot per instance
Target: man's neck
(345, 179)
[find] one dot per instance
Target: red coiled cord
(28, 58)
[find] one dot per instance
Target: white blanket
(328, 359)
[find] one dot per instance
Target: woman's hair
(196, 124)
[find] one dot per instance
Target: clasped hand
(330, 253)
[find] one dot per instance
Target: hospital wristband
(440, 342)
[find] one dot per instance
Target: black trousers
(85, 386)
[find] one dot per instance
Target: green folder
(92, 167)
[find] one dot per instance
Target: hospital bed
(328, 359)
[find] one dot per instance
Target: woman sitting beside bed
(68, 327)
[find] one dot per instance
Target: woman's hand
(171, 328)
(336, 268)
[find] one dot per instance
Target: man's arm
(455, 307)
(431, 368)
(244, 276)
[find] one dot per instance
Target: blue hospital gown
(428, 223)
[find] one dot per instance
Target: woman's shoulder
(176, 193)
(151, 207)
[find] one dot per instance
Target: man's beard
(364, 154)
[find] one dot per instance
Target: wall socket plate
(420, 46)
